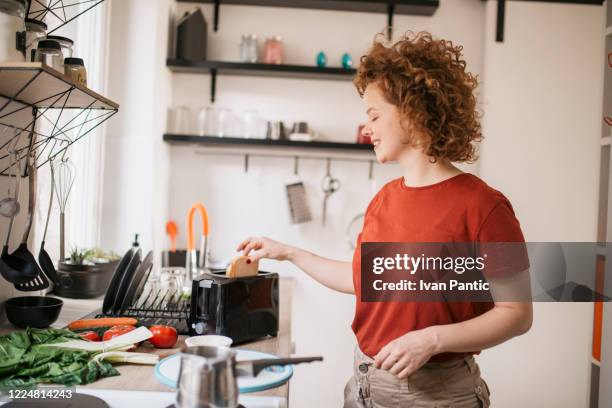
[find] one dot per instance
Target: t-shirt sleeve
(501, 225)
(500, 237)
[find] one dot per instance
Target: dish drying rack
(168, 308)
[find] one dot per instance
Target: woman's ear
(412, 135)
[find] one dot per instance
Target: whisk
(64, 179)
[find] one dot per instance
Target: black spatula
(13, 269)
(40, 281)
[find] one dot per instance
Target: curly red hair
(427, 80)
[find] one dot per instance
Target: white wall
(542, 105)
(136, 175)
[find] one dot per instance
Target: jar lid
(73, 61)
(60, 39)
(50, 44)
(33, 22)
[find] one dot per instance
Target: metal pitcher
(207, 378)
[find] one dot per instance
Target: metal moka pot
(207, 377)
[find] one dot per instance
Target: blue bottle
(321, 59)
(347, 61)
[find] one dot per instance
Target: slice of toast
(240, 268)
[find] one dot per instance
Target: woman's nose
(366, 131)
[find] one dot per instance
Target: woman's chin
(381, 157)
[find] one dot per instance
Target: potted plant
(86, 273)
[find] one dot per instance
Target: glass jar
(65, 43)
(273, 50)
(248, 48)
(49, 52)
(35, 31)
(74, 68)
(12, 30)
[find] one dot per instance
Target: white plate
(167, 372)
(208, 340)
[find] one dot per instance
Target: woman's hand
(264, 248)
(406, 354)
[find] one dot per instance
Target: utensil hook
(64, 159)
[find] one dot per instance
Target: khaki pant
(452, 384)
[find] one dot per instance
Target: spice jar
(35, 31)
(273, 50)
(12, 30)
(248, 48)
(74, 68)
(65, 43)
(49, 52)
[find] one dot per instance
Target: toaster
(243, 309)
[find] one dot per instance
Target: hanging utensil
(192, 263)
(39, 281)
(9, 206)
(64, 181)
(329, 185)
(12, 268)
(299, 210)
(43, 257)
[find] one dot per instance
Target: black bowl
(33, 311)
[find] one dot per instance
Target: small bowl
(33, 311)
(208, 340)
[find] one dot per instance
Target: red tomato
(90, 335)
(163, 336)
(116, 331)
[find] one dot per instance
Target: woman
(422, 114)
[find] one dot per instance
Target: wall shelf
(215, 68)
(44, 112)
(390, 7)
(415, 7)
(260, 69)
(57, 14)
(242, 142)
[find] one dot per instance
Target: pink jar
(273, 50)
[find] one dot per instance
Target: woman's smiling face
(383, 125)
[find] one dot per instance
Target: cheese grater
(298, 203)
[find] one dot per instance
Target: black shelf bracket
(501, 17)
(213, 84)
(216, 15)
(390, 12)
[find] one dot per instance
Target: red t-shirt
(462, 208)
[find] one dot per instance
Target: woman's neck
(419, 171)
